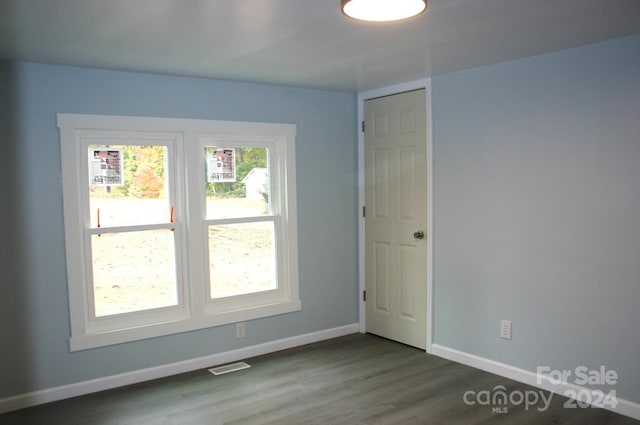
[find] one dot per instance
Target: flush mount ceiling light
(383, 10)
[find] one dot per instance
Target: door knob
(419, 234)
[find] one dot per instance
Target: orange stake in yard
(99, 221)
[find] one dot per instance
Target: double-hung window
(174, 225)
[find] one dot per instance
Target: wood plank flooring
(357, 379)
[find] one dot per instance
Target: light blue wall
(35, 319)
(537, 210)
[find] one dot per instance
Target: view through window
(239, 221)
(133, 269)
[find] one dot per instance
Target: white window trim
(195, 310)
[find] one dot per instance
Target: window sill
(105, 338)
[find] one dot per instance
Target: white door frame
(371, 94)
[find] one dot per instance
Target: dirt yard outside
(135, 271)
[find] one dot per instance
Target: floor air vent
(221, 370)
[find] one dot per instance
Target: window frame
(195, 309)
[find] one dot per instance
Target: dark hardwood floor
(357, 379)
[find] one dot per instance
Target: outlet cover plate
(241, 330)
(505, 329)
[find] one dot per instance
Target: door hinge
(364, 296)
(364, 211)
(362, 126)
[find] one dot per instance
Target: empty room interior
(426, 215)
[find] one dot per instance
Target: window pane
(241, 259)
(133, 271)
(127, 185)
(237, 182)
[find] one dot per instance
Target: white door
(396, 217)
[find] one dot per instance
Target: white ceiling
(305, 43)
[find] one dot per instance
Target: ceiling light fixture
(383, 10)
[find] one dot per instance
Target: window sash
(96, 324)
(277, 205)
(227, 303)
(176, 311)
(172, 161)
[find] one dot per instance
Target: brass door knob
(419, 234)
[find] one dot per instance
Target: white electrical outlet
(241, 330)
(505, 329)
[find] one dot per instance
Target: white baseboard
(623, 407)
(86, 387)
